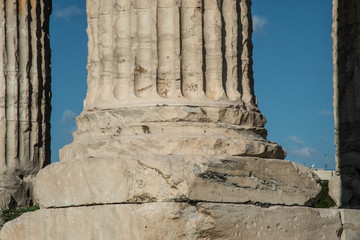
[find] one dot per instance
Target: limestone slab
(351, 224)
(176, 221)
(154, 178)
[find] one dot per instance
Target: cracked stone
(159, 178)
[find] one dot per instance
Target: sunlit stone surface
(171, 144)
(24, 97)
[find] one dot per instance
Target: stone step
(172, 221)
(167, 178)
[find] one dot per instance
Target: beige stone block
(175, 221)
(161, 178)
(351, 224)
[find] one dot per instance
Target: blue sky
(292, 70)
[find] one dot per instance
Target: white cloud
(296, 140)
(305, 152)
(259, 23)
(68, 12)
(68, 116)
(324, 139)
(326, 112)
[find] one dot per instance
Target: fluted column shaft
(170, 52)
(25, 94)
(170, 77)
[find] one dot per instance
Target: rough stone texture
(171, 130)
(351, 224)
(177, 221)
(158, 178)
(170, 77)
(170, 122)
(346, 35)
(335, 189)
(184, 52)
(24, 96)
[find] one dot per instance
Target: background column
(25, 96)
(346, 36)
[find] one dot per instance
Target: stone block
(351, 224)
(161, 178)
(176, 221)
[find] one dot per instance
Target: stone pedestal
(24, 96)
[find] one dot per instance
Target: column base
(171, 130)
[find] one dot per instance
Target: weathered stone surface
(5, 200)
(346, 36)
(351, 224)
(25, 95)
(176, 221)
(173, 52)
(13, 190)
(175, 178)
(335, 189)
(178, 130)
(179, 81)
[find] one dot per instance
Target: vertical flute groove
(34, 82)
(25, 94)
(192, 49)
(44, 141)
(2, 87)
(93, 65)
(106, 48)
(230, 15)
(213, 44)
(166, 82)
(144, 56)
(248, 95)
(177, 49)
(24, 91)
(336, 103)
(11, 83)
(123, 50)
(41, 77)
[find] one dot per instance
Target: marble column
(25, 96)
(170, 52)
(346, 36)
(170, 123)
(160, 69)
